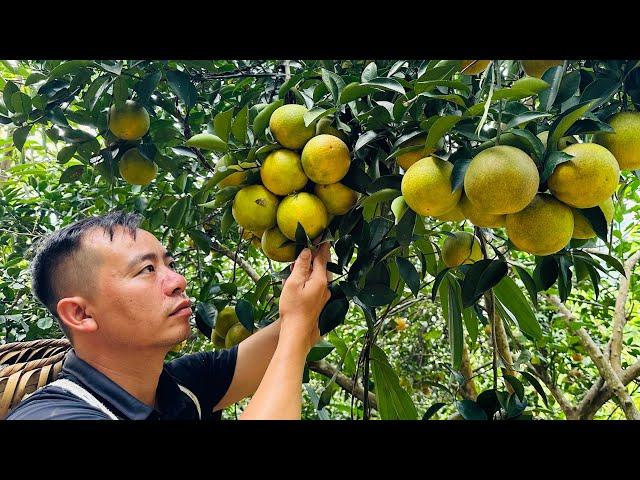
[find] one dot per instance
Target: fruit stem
(498, 81)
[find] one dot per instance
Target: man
(120, 300)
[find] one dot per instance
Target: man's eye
(148, 268)
(173, 265)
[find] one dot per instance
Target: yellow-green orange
(586, 180)
(281, 172)
(226, 319)
(304, 208)
(544, 227)
(278, 247)
(405, 160)
(501, 179)
(236, 178)
(462, 248)
(535, 68)
(625, 142)
(218, 341)
(478, 67)
(426, 187)
(324, 126)
(478, 217)
(136, 169)
(254, 208)
(129, 121)
(325, 159)
(453, 215)
(338, 198)
(581, 226)
(236, 334)
(287, 126)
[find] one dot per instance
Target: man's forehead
(123, 244)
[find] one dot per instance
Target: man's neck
(136, 372)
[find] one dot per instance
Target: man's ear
(73, 313)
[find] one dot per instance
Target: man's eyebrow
(148, 256)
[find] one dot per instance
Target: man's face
(138, 293)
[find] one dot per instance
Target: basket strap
(7, 396)
(193, 398)
(83, 394)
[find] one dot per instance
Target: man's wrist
(291, 345)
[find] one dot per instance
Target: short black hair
(56, 248)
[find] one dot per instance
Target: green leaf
(480, 277)
(428, 86)
(376, 295)
(564, 121)
(71, 174)
(553, 76)
(68, 67)
(393, 402)
(389, 84)
(333, 82)
(206, 316)
(383, 195)
(226, 221)
(458, 173)
(261, 121)
(364, 139)
(530, 84)
(21, 102)
(441, 126)
(353, 91)
(95, 91)
(45, 323)
(177, 212)
(316, 114)
(612, 262)
(553, 160)
(529, 284)
(319, 351)
(405, 228)
(471, 323)
(145, 87)
(432, 410)
(546, 272)
(536, 385)
(437, 281)
(34, 78)
(344, 352)
(245, 313)
(120, 91)
(65, 154)
(222, 124)
(600, 90)
(20, 136)
(370, 72)
(515, 384)
(201, 240)
(454, 314)
(409, 274)
(239, 126)
(180, 83)
(512, 298)
(526, 118)
(334, 312)
(597, 220)
(9, 89)
(470, 410)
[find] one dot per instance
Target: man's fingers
(320, 263)
(301, 269)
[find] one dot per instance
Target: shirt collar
(171, 401)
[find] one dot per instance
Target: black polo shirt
(207, 374)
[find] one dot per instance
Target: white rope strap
(192, 396)
(81, 393)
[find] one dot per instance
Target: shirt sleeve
(207, 374)
(55, 406)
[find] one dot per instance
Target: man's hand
(303, 297)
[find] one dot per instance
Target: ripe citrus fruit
(544, 227)
(453, 215)
(581, 226)
(478, 66)
(278, 247)
(236, 178)
(254, 208)
(625, 142)
(462, 248)
(586, 180)
(226, 319)
(304, 208)
(501, 179)
(477, 216)
(535, 68)
(324, 126)
(287, 126)
(338, 198)
(129, 121)
(136, 169)
(426, 187)
(405, 160)
(236, 334)
(281, 172)
(325, 159)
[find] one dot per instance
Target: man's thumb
(302, 267)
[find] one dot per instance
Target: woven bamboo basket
(28, 366)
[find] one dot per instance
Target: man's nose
(174, 283)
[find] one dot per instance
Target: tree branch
(604, 367)
(600, 393)
(325, 368)
(218, 247)
(619, 317)
(570, 411)
(468, 388)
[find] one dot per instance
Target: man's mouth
(183, 309)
